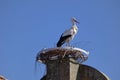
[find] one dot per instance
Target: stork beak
(76, 21)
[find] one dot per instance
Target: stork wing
(64, 36)
(62, 40)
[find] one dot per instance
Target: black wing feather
(62, 40)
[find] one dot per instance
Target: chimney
(66, 64)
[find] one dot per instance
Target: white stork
(68, 34)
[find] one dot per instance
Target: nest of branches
(77, 54)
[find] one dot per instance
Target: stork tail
(60, 43)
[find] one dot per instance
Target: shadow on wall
(86, 72)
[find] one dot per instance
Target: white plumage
(68, 34)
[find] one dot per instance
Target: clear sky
(27, 26)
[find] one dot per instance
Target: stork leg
(68, 44)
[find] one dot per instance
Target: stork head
(74, 20)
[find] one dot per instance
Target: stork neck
(74, 23)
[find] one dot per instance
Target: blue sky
(27, 26)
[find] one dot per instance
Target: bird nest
(77, 54)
